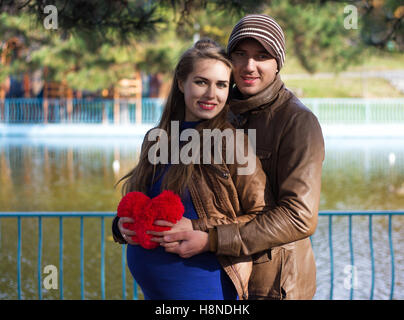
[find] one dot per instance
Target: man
(290, 145)
(291, 148)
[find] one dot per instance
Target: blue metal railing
(23, 110)
(357, 110)
(328, 110)
(61, 216)
(103, 215)
(369, 214)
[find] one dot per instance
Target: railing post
(19, 258)
(81, 258)
(368, 111)
(123, 261)
(6, 111)
(45, 110)
(69, 106)
(61, 257)
(392, 258)
(371, 257)
(2, 101)
(353, 272)
(39, 258)
(102, 259)
(138, 111)
(104, 113)
(116, 107)
(331, 256)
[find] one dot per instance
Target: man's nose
(250, 65)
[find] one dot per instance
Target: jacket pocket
(261, 257)
(274, 278)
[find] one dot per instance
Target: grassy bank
(339, 87)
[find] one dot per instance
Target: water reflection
(79, 175)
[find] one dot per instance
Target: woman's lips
(249, 80)
(206, 105)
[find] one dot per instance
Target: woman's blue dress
(165, 276)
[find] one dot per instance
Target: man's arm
(299, 178)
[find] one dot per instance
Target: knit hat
(265, 30)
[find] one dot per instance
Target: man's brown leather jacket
(290, 146)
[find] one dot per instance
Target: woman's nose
(210, 92)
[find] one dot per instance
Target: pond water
(79, 175)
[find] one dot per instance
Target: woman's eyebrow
(199, 77)
(207, 80)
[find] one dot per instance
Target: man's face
(254, 68)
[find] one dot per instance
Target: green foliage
(315, 34)
(99, 42)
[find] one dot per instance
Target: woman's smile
(207, 105)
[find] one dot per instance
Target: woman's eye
(200, 82)
(221, 85)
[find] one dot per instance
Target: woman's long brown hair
(178, 175)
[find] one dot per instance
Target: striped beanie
(265, 30)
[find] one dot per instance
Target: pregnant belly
(163, 275)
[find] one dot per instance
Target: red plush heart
(144, 211)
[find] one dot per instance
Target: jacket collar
(274, 95)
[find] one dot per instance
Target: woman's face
(205, 89)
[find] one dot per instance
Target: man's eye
(239, 53)
(264, 57)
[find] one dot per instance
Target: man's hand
(184, 224)
(186, 243)
(181, 238)
(126, 233)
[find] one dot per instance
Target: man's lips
(206, 105)
(249, 80)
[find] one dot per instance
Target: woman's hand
(126, 233)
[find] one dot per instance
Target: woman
(212, 193)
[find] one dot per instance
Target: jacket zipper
(223, 174)
(239, 279)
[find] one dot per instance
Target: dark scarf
(274, 95)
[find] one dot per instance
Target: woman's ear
(180, 86)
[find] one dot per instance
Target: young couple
(241, 236)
